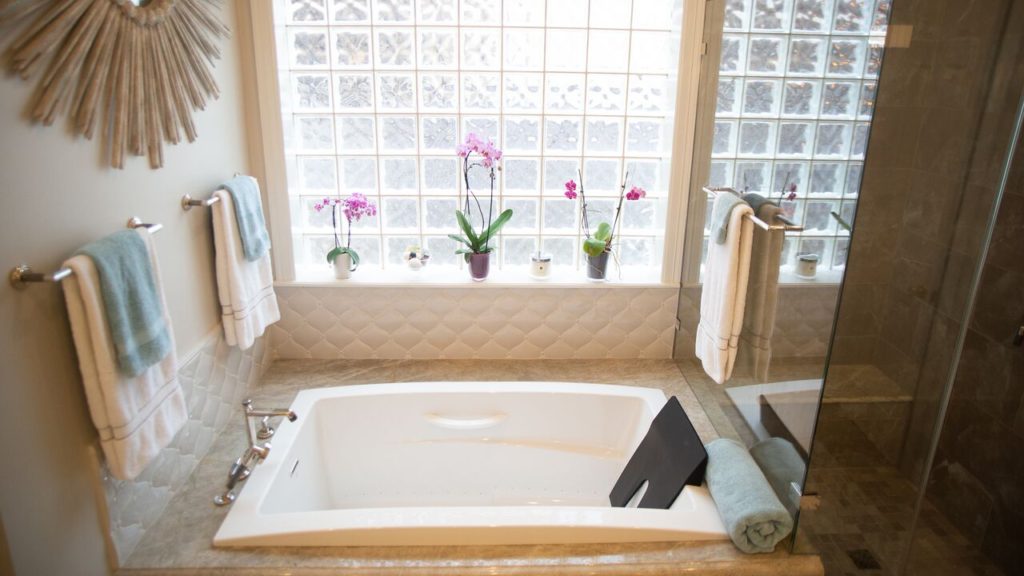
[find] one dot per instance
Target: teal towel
(245, 194)
(131, 300)
(720, 214)
(752, 514)
(782, 466)
(756, 201)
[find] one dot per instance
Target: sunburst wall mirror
(130, 71)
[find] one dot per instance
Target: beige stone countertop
(181, 541)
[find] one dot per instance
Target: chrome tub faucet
(254, 452)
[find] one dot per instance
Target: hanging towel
(721, 212)
(754, 353)
(136, 416)
(753, 516)
(245, 288)
(724, 293)
(245, 193)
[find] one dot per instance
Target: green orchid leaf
(458, 238)
(604, 232)
(594, 247)
(334, 253)
(496, 225)
(467, 229)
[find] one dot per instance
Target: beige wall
(55, 195)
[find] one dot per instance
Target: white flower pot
(343, 267)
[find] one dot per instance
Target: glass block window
(376, 94)
(796, 91)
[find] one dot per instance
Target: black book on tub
(669, 457)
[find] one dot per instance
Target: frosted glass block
(846, 58)
(756, 138)
(806, 56)
(812, 15)
(442, 251)
(720, 173)
(827, 178)
(651, 53)
(842, 253)
(522, 134)
(481, 12)
(480, 92)
(523, 92)
(562, 250)
(873, 60)
(308, 48)
(789, 173)
(794, 210)
(558, 172)
(818, 217)
(480, 181)
(318, 220)
(600, 210)
(359, 174)
(866, 106)
(643, 173)
(524, 214)
(833, 140)
(853, 16)
(356, 134)
(650, 14)
(568, 13)
(761, 97)
(396, 248)
(854, 173)
(727, 104)
(606, 94)
(847, 211)
(603, 136)
(737, 14)
(752, 177)
(770, 15)
(562, 135)
(638, 215)
(398, 134)
(636, 252)
(400, 212)
(800, 98)
(399, 174)
(395, 48)
(647, 94)
(524, 12)
(566, 50)
(480, 49)
(880, 17)
(734, 54)
(789, 246)
(316, 248)
(795, 139)
(438, 91)
(607, 51)
(368, 248)
(312, 92)
(860, 140)
(437, 11)
(838, 99)
(560, 214)
(397, 93)
(524, 49)
(318, 174)
(355, 92)
(440, 133)
(517, 251)
(350, 11)
(609, 14)
(441, 175)
(485, 127)
(351, 48)
(766, 55)
(564, 93)
(437, 48)
(521, 175)
(388, 11)
(644, 136)
(723, 139)
(315, 133)
(601, 176)
(307, 11)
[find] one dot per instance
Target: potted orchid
(598, 244)
(477, 247)
(344, 259)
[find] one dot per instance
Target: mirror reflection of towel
(754, 353)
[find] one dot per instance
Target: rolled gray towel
(782, 466)
(752, 514)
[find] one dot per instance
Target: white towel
(755, 348)
(245, 289)
(135, 417)
(724, 295)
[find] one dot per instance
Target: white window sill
(448, 277)
(823, 278)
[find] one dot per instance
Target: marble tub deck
(181, 540)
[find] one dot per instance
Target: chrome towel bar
(21, 276)
(786, 226)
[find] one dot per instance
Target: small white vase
(343, 267)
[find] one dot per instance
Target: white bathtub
(458, 463)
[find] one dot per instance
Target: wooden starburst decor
(131, 73)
